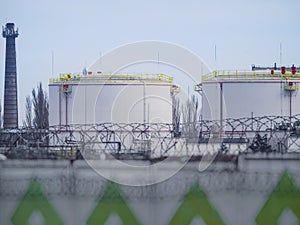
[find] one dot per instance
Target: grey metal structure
(265, 135)
(10, 119)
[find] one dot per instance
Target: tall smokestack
(10, 119)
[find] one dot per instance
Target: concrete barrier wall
(250, 191)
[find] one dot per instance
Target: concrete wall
(253, 190)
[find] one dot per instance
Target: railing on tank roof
(76, 77)
(250, 75)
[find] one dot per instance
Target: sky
(77, 32)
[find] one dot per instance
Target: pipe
(221, 107)
(59, 106)
(66, 108)
(290, 107)
(144, 99)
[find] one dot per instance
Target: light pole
(144, 98)
(144, 139)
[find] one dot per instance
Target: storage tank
(99, 98)
(236, 94)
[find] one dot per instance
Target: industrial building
(134, 114)
(257, 93)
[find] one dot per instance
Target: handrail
(76, 77)
(250, 75)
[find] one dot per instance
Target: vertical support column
(221, 108)
(59, 105)
(66, 94)
(290, 107)
(10, 120)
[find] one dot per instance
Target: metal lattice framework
(268, 133)
(115, 138)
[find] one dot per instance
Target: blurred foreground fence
(262, 190)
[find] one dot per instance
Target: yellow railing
(76, 77)
(291, 86)
(249, 75)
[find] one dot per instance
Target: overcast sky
(78, 32)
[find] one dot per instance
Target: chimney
(10, 118)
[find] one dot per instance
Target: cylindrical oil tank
(253, 94)
(94, 99)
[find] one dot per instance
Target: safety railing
(250, 75)
(111, 77)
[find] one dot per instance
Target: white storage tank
(250, 94)
(97, 98)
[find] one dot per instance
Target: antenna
(216, 65)
(157, 66)
(216, 53)
(84, 71)
(100, 60)
(52, 63)
(280, 54)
